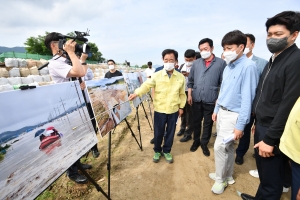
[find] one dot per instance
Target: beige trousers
(224, 153)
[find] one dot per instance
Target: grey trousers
(224, 153)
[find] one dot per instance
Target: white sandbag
(34, 84)
(6, 87)
(44, 71)
(22, 62)
(14, 80)
(36, 78)
(26, 80)
(3, 81)
(14, 72)
(11, 62)
(46, 78)
(4, 72)
(34, 71)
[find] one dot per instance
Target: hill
(15, 49)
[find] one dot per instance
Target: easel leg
(133, 135)
(99, 189)
(109, 162)
(150, 113)
(139, 127)
(146, 116)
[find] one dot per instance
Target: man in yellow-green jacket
(169, 101)
(290, 146)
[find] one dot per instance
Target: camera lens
(82, 48)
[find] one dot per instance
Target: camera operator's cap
(54, 36)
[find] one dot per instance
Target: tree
(36, 45)
(144, 66)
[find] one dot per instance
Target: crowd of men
(240, 92)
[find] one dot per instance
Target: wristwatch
(83, 63)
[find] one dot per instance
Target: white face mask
(230, 56)
(188, 64)
(247, 50)
(169, 66)
(111, 66)
(205, 54)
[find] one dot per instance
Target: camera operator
(61, 71)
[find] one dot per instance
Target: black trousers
(245, 140)
(187, 123)
(203, 111)
(161, 120)
(274, 172)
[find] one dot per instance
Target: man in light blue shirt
(233, 107)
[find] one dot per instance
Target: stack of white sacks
(19, 74)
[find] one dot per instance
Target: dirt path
(135, 176)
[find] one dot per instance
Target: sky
(138, 31)
(39, 103)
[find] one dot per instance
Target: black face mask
(277, 44)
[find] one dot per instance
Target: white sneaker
(285, 189)
(254, 173)
(218, 188)
(229, 180)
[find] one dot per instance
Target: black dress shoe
(239, 160)
(247, 197)
(205, 150)
(195, 146)
(185, 138)
(86, 166)
(152, 141)
(180, 133)
(78, 178)
(95, 152)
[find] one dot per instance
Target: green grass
(46, 195)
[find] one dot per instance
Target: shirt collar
(165, 72)
(233, 64)
(251, 56)
(273, 56)
(58, 57)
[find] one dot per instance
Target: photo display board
(43, 131)
(109, 100)
(133, 81)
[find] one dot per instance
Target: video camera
(80, 36)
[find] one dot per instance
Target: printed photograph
(133, 82)
(109, 99)
(43, 131)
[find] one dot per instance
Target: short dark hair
(234, 37)
(251, 37)
(190, 53)
(149, 63)
(169, 51)
(198, 55)
(49, 38)
(290, 19)
(111, 61)
(209, 41)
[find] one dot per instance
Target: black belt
(223, 108)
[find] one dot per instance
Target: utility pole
(55, 113)
(79, 111)
(63, 104)
(81, 104)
